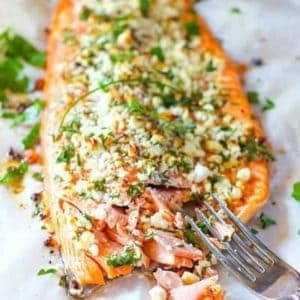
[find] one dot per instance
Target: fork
(246, 257)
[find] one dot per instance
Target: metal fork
(247, 257)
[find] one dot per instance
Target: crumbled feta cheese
(158, 293)
(199, 173)
(158, 221)
(236, 193)
(243, 174)
(189, 278)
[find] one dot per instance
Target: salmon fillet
(145, 112)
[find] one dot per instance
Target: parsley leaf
(158, 52)
(135, 190)
(192, 28)
(236, 10)
(43, 272)
(14, 174)
(266, 221)
(144, 7)
(66, 155)
(269, 104)
(15, 46)
(190, 237)
(85, 13)
(32, 137)
(127, 257)
(38, 176)
(296, 191)
(253, 97)
(210, 67)
(255, 149)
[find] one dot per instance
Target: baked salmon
(145, 112)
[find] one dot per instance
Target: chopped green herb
(192, 28)
(253, 231)
(122, 56)
(144, 7)
(255, 149)
(236, 10)
(15, 46)
(269, 104)
(14, 174)
(190, 237)
(88, 217)
(202, 226)
(296, 191)
(100, 185)
(210, 67)
(183, 165)
(38, 176)
(32, 137)
(253, 97)
(85, 13)
(135, 190)
(127, 257)
(66, 155)
(266, 221)
(43, 272)
(158, 52)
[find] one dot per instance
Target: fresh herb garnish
(100, 185)
(127, 257)
(236, 10)
(32, 137)
(14, 174)
(190, 237)
(135, 190)
(66, 155)
(210, 67)
(43, 272)
(202, 226)
(269, 104)
(296, 191)
(38, 176)
(158, 52)
(144, 7)
(255, 149)
(266, 221)
(192, 28)
(121, 57)
(85, 13)
(14, 46)
(253, 231)
(253, 97)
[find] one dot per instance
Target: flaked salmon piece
(170, 199)
(167, 279)
(204, 289)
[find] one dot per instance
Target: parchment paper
(266, 29)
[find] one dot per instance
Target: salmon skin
(145, 112)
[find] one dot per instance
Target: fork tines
(242, 253)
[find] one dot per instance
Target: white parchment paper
(266, 29)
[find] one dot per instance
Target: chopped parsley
(253, 231)
(255, 149)
(100, 185)
(144, 7)
(192, 28)
(38, 176)
(296, 191)
(32, 137)
(14, 46)
(158, 52)
(266, 221)
(123, 56)
(43, 272)
(236, 10)
(14, 173)
(135, 190)
(269, 104)
(85, 13)
(127, 257)
(253, 97)
(66, 155)
(210, 67)
(190, 237)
